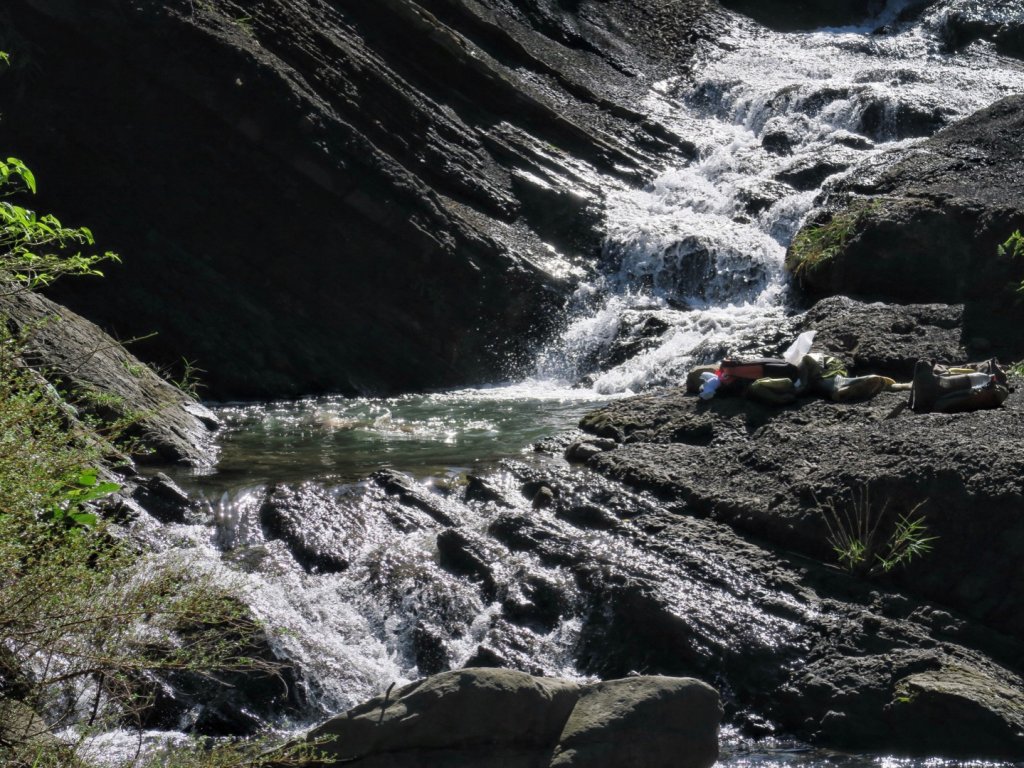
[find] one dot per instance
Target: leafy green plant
(1013, 248)
(816, 245)
(37, 249)
(86, 615)
(69, 505)
(867, 541)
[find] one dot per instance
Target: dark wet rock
(412, 494)
(886, 338)
(758, 195)
(791, 15)
(319, 151)
(317, 530)
(589, 516)
(977, 705)
(552, 545)
(582, 450)
(882, 120)
(479, 489)
(637, 331)
(488, 658)
(962, 22)
(101, 378)
(163, 499)
(544, 497)
(537, 600)
(489, 718)
(430, 649)
(778, 142)
(810, 172)
(468, 554)
(931, 229)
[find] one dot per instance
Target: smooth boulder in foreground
(499, 718)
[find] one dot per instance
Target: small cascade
(693, 264)
(383, 580)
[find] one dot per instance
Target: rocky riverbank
(416, 188)
(770, 473)
(432, 170)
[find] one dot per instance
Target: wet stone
(313, 525)
(466, 554)
(163, 499)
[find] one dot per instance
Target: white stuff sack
(799, 348)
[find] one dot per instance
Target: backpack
(946, 389)
(737, 375)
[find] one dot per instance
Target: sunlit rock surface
(484, 718)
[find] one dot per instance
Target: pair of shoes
(857, 388)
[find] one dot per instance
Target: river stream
(692, 268)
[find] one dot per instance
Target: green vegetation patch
(1013, 249)
(88, 618)
(816, 245)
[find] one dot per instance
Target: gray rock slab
(85, 362)
(462, 709)
(642, 722)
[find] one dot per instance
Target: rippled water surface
(346, 439)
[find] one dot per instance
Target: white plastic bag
(711, 382)
(799, 348)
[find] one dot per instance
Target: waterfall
(693, 263)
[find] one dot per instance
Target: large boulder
(792, 15)
(104, 380)
(499, 718)
(972, 704)
(641, 721)
(355, 197)
(928, 228)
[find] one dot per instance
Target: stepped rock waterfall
(383, 539)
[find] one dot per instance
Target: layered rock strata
(355, 197)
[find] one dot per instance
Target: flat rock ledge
(103, 379)
(500, 718)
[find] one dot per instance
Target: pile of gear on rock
(801, 371)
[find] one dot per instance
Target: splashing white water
(776, 119)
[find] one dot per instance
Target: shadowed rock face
(938, 217)
(361, 197)
(792, 15)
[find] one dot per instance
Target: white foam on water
(774, 117)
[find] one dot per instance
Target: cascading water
(777, 119)
(692, 269)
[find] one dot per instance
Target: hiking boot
(859, 388)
